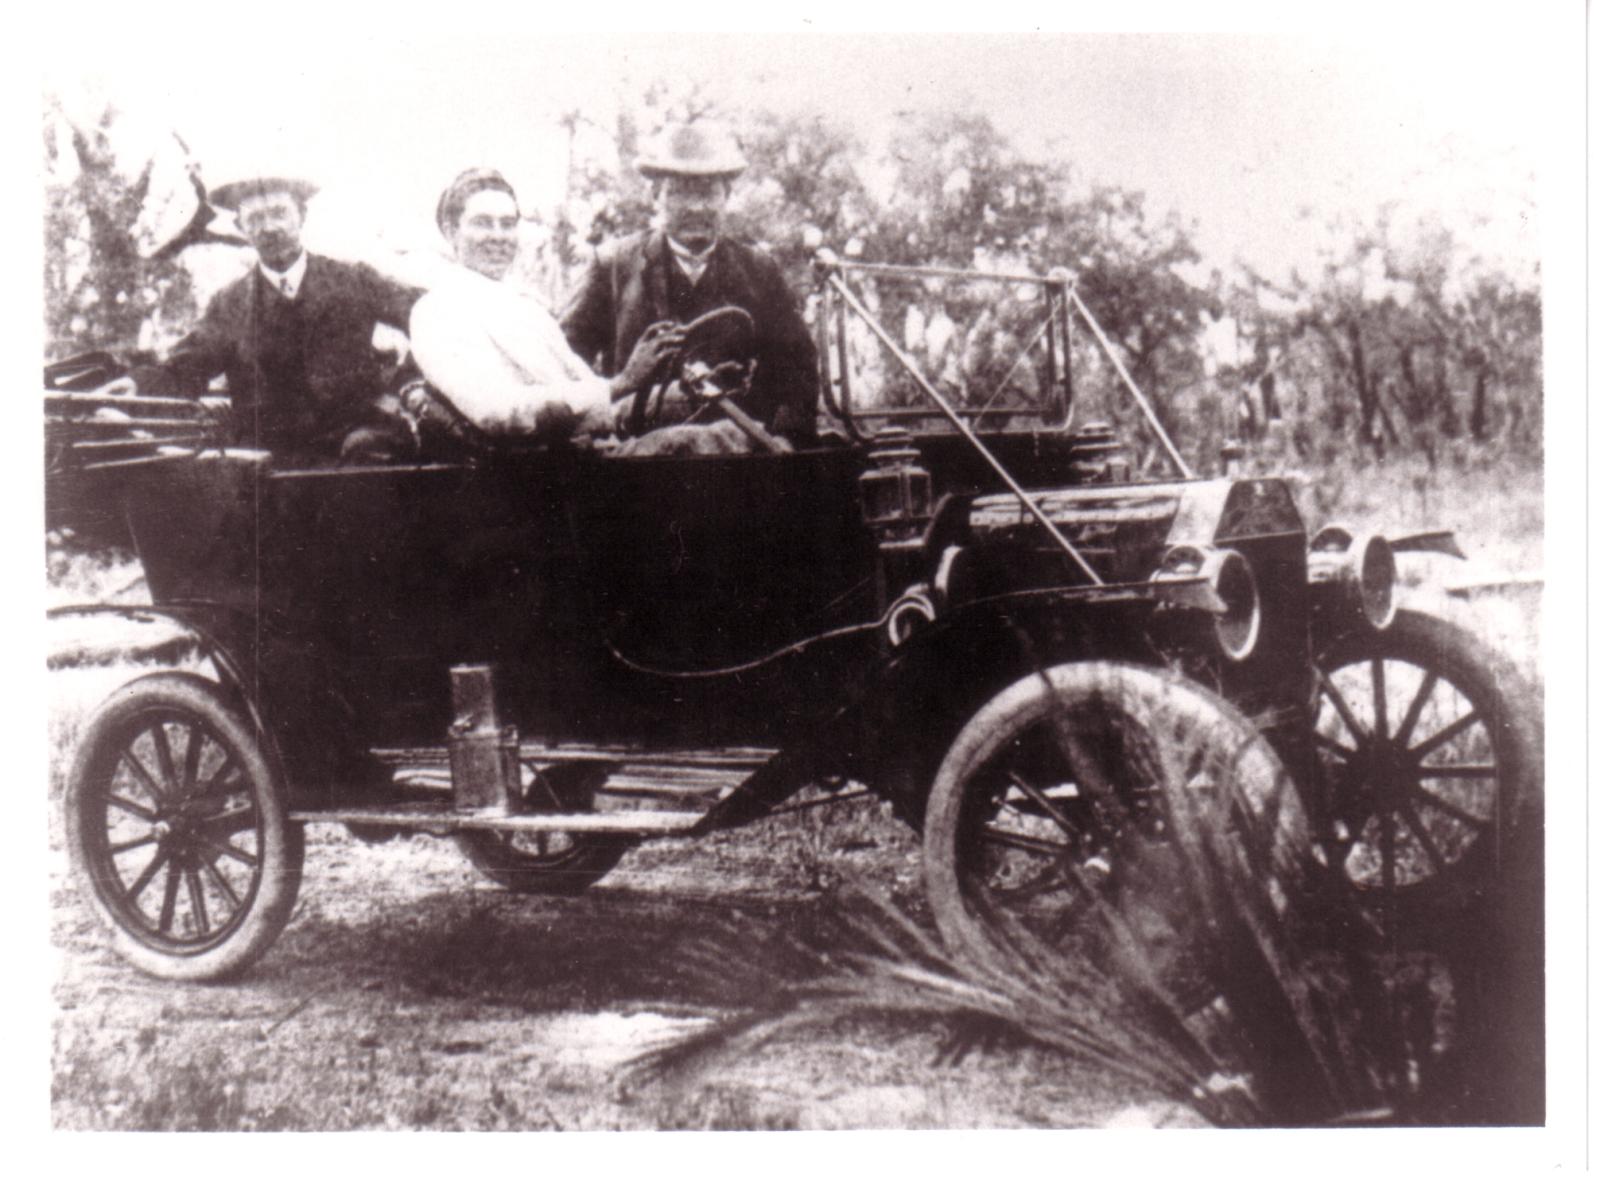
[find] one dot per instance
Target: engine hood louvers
(1085, 506)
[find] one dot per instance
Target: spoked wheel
(1428, 754)
(178, 831)
(554, 862)
(1093, 787)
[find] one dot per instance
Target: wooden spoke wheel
(178, 830)
(1429, 755)
(1092, 787)
(548, 862)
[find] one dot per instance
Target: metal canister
(485, 762)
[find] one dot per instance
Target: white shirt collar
(692, 264)
(288, 281)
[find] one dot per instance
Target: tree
(803, 190)
(1417, 341)
(1134, 276)
(119, 208)
(963, 196)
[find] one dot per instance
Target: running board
(701, 789)
(440, 817)
(694, 778)
(732, 759)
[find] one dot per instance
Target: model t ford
(975, 612)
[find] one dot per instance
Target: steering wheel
(713, 366)
(715, 343)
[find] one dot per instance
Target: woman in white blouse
(490, 346)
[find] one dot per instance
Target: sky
(1239, 132)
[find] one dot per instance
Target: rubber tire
(281, 843)
(587, 862)
(1154, 701)
(1497, 692)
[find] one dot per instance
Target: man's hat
(230, 194)
(701, 148)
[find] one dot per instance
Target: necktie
(693, 265)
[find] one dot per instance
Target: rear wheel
(548, 863)
(178, 831)
(542, 863)
(1429, 754)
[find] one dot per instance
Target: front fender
(909, 709)
(202, 630)
(1429, 541)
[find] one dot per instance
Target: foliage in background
(108, 282)
(1406, 340)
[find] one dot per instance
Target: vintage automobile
(975, 613)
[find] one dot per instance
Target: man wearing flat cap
(683, 268)
(294, 337)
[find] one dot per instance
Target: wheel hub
(176, 831)
(1380, 775)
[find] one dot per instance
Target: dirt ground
(408, 993)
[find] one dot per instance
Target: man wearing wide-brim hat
(294, 338)
(683, 268)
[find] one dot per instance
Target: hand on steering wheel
(711, 363)
(658, 346)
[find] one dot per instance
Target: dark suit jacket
(338, 305)
(629, 287)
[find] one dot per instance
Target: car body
(519, 625)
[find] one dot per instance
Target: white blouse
(498, 354)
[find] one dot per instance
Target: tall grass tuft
(886, 966)
(1274, 1007)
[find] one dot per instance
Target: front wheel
(1095, 786)
(179, 834)
(1429, 755)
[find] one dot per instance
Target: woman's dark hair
(462, 189)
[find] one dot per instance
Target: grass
(1495, 507)
(76, 574)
